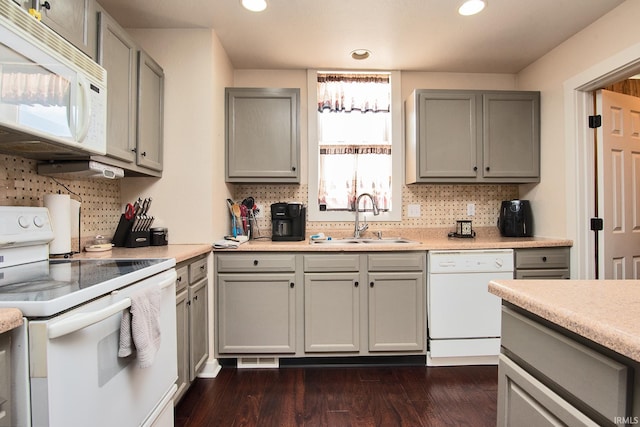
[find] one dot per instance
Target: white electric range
(72, 315)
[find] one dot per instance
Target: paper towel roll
(59, 206)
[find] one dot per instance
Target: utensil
(237, 217)
(129, 212)
(243, 215)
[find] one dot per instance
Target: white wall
(190, 197)
(553, 200)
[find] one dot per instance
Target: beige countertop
(179, 252)
(9, 318)
(425, 239)
(604, 311)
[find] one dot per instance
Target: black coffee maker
(516, 219)
(288, 222)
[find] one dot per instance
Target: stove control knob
(23, 222)
(38, 221)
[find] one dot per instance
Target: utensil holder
(124, 237)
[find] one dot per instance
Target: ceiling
(417, 35)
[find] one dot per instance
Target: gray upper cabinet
(118, 55)
(472, 136)
(150, 112)
(262, 135)
(75, 20)
(135, 105)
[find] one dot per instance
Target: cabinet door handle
(356, 284)
(544, 259)
(371, 284)
(292, 285)
(255, 262)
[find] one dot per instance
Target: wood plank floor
(336, 397)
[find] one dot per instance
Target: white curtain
(354, 140)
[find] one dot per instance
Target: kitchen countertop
(425, 239)
(179, 252)
(604, 311)
(10, 318)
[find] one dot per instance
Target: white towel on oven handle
(140, 327)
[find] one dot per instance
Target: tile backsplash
(100, 198)
(440, 205)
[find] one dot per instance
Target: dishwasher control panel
(472, 261)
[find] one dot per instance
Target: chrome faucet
(361, 229)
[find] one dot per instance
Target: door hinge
(597, 224)
(595, 121)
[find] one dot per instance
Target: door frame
(580, 186)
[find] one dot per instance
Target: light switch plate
(413, 211)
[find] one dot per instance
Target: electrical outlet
(413, 211)
(471, 209)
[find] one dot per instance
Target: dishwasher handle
(80, 321)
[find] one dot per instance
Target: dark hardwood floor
(343, 396)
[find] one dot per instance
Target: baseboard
(210, 369)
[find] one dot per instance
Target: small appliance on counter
(159, 236)
(516, 219)
(463, 230)
(288, 222)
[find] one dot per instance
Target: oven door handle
(82, 320)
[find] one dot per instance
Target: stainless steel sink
(354, 241)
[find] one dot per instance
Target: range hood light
(254, 5)
(471, 7)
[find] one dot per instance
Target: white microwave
(53, 98)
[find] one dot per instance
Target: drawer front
(197, 270)
(542, 258)
(524, 401)
(551, 274)
(183, 278)
(259, 262)
(595, 379)
(331, 262)
(407, 261)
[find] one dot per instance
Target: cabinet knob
(143, 154)
(371, 284)
(487, 168)
(134, 150)
(46, 5)
(475, 169)
(356, 284)
(292, 285)
(293, 168)
(544, 259)
(202, 268)
(179, 279)
(195, 297)
(255, 262)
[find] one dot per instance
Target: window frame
(397, 150)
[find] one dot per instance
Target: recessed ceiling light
(360, 54)
(471, 7)
(254, 5)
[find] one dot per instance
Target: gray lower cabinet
(542, 263)
(262, 135)
(349, 304)
(191, 321)
(548, 377)
(256, 301)
(457, 136)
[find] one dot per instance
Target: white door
(619, 184)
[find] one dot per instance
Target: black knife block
(124, 237)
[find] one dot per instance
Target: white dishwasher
(463, 318)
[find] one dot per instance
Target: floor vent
(258, 362)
